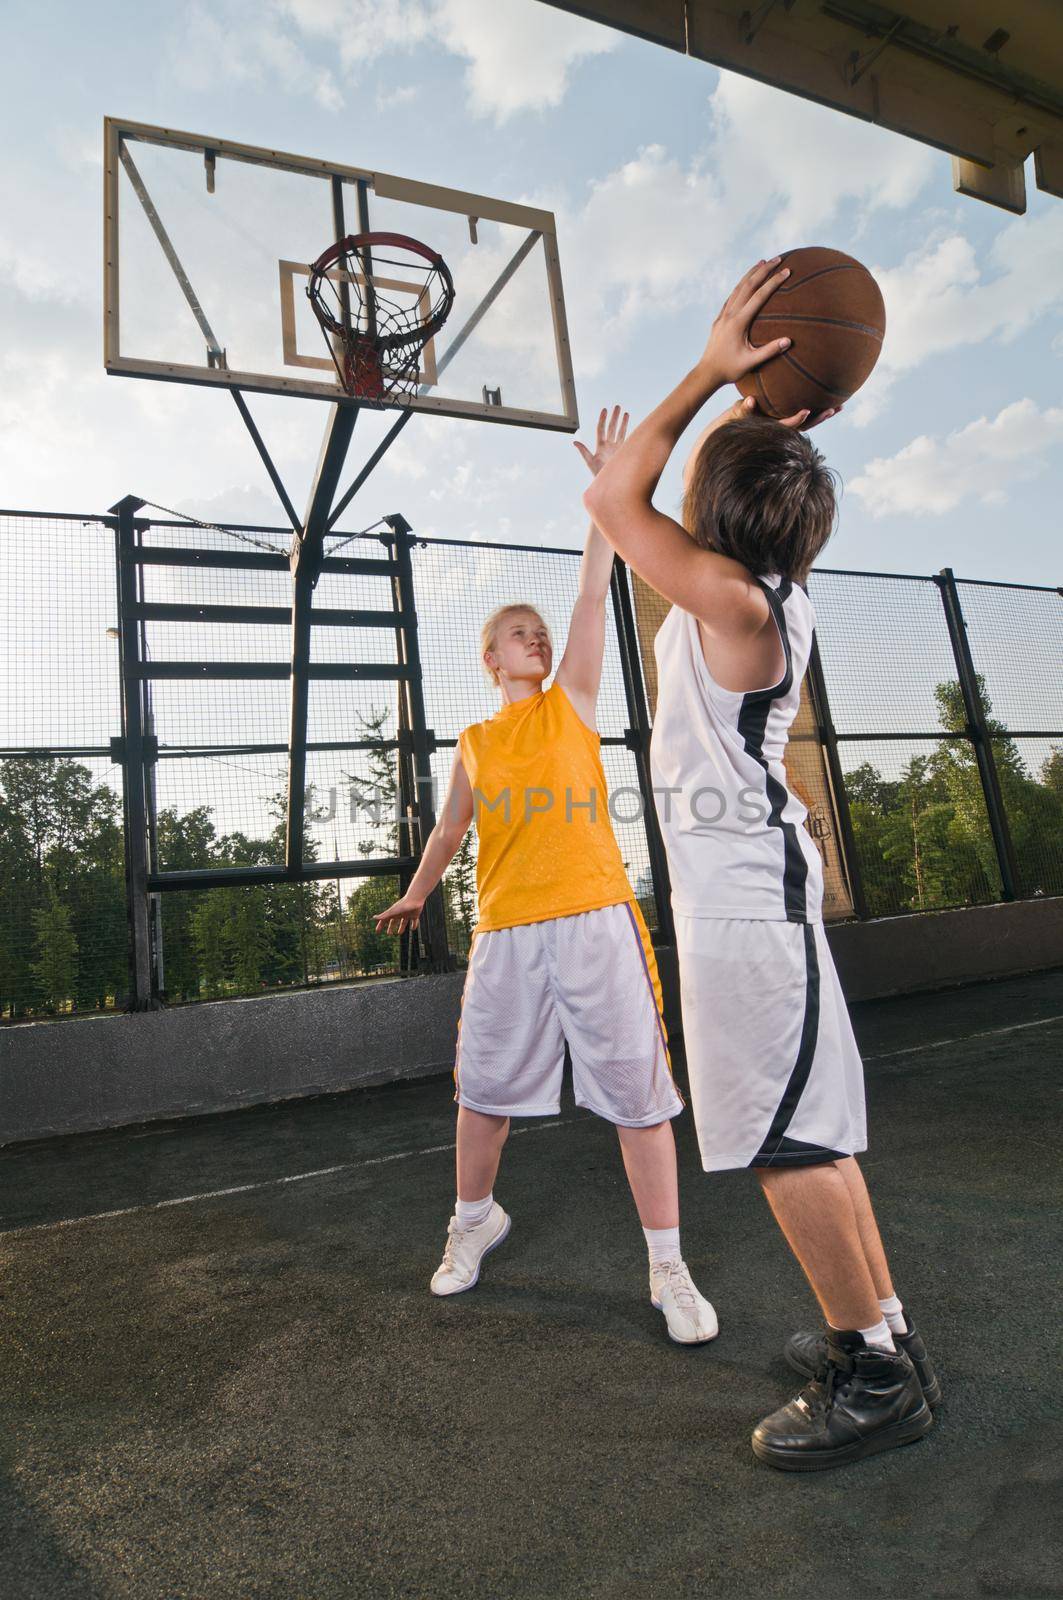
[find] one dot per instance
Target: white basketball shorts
(589, 978)
(774, 1069)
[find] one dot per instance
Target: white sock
(893, 1312)
(663, 1244)
(880, 1336)
(470, 1213)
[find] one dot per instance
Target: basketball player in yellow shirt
(560, 951)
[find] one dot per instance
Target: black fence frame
(136, 749)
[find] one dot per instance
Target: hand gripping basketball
(729, 354)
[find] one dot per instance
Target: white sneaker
(465, 1249)
(690, 1317)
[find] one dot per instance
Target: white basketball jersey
(733, 830)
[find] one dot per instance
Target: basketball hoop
(375, 338)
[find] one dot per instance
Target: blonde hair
(489, 632)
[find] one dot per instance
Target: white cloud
(247, 503)
(39, 276)
(519, 54)
(359, 31)
(657, 236)
(802, 165)
(944, 296)
(239, 43)
(980, 461)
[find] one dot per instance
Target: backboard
(207, 250)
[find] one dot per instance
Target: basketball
(832, 309)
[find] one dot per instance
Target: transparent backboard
(207, 249)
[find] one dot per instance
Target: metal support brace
(978, 733)
(416, 768)
(215, 353)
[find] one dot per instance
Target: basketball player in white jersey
(776, 1079)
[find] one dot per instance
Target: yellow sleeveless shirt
(541, 806)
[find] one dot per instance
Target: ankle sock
(880, 1336)
(470, 1213)
(663, 1244)
(893, 1312)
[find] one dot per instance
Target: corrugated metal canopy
(980, 79)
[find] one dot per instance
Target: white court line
(436, 1149)
(265, 1183)
(939, 1044)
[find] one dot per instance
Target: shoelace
(677, 1277)
(455, 1236)
(819, 1396)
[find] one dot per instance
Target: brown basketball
(832, 309)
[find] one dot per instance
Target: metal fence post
(136, 751)
(978, 733)
(432, 928)
(829, 739)
(638, 741)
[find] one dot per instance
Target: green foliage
(923, 841)
(56, 952)
(459, 887)
(62, 889)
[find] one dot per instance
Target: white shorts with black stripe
(586, 978)
(775, 1073)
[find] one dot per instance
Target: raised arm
(580, 669)
(714, 588)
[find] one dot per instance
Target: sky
(667, 178)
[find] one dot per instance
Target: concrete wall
(102, 1072)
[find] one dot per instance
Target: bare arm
(580, 670)
(439, 852)
(715, 589)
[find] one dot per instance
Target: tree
(56, 952)
(460, 889)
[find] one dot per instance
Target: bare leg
(480, 1141)
(870, 1237)
(649, 1160)
(812, 1206)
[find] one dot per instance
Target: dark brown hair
(762, 494)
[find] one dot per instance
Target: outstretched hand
(612, 431)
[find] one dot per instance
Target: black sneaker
(807, 1354)
(864, 1401)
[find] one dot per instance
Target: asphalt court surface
(222, 1374)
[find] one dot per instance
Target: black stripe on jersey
(752, 723)
(774, 1149)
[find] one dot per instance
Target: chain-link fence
(144, 751)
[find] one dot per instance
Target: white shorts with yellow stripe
(590, 979)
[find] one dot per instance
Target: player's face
(523, 647)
